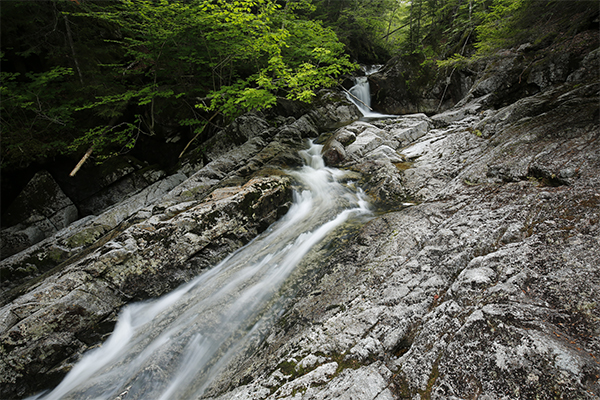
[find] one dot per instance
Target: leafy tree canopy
(362, 25)
(81, 74)
(157, 60)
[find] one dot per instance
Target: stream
(173, 347)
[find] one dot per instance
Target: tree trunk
(70, 39)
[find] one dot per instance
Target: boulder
(334, 153)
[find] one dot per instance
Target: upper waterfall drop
(174, 347)
(360, 93)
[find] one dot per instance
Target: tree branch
(83, 160)
(395, 30)
(356, 98)
(198, 134)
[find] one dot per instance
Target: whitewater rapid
(175, 346)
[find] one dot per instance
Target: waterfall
(361, 93)
(173, 347)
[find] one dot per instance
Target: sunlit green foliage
(136, 65)
(497, 25)
(480, 28)
(291, 55)
(102, 73)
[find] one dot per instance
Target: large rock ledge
(478, 278)
(486, 287)
(74, 308)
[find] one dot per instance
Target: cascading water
(175, 346)
(360, 94)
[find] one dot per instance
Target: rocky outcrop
(76, 239)
(372, 149)
(73, 308)
(408, 85)
(477, 276)
(39, 211)
(482, 285)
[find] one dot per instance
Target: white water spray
(174, 347)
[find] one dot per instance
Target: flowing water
(175, 346)
(361, 94)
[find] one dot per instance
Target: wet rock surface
(76, 306)
(484, 285)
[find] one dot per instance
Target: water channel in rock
(173, 347)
